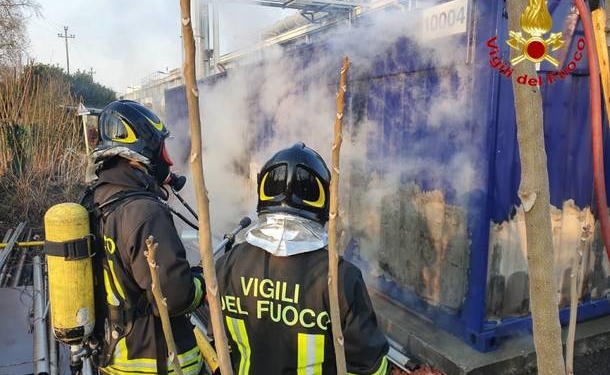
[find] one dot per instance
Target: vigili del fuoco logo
(536, 22)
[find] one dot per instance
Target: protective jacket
(277, 314)
(134, 335)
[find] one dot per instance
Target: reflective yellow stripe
(193, 368)
(191, 362)
(115, 280)
(321, 196)
(237, 328)
(157, 125)
(112, 371)
(310, 351)
(383, 368)
(186, 359)
(130, 137)
(197, 299)
(111, 299)
(261, 193)
(189, 355)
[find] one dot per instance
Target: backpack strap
(108, 206)
(118, 320)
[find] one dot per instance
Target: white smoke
(298, 104)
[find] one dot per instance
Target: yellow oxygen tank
(70, 273)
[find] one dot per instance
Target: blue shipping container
(430, 162)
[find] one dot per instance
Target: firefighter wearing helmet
(132, 163)
(274, 285)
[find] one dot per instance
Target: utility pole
(91, 72)
(66, 36)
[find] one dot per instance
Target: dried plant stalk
(41, 150)
(151, 256)
(599, 27)
(333, 254)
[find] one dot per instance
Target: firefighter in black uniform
(274, 286)
(132, 164)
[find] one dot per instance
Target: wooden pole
(607, 30)
(151, 256)
(576, 277)
(598, 17)
(333, 254)
(535, 199)
(203, 210)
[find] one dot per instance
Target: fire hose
(599, 181)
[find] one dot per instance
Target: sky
(125, 40)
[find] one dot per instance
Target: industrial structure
(310, 17)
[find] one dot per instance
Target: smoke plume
(293, 100)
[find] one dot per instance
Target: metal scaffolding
(314, 10)
(340, 5)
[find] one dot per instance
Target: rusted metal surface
(421, 243)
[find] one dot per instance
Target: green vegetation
(91, 93)
(82, 86)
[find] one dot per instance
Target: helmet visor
(308, 187)
(273, 183)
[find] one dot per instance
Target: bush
(42, 157)
(81, 85)
(91, 93)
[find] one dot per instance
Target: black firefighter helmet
(125, 124)
(295, 180)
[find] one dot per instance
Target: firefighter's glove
(199, 277)
(197, 273)
(229, 245)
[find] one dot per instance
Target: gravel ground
(597, 363)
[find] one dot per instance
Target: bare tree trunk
(151, 256)
(333, 254)
(203, 209)
(535, 199)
